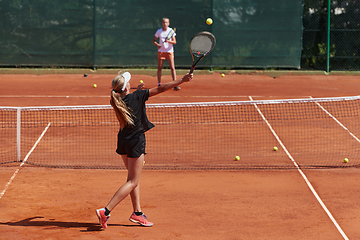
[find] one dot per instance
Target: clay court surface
(50, 203)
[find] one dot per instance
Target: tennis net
(309, 133)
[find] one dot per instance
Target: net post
(18, 134)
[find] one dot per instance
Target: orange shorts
(165, 55)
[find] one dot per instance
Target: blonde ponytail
(122, 112)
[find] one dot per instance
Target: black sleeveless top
(136, 102)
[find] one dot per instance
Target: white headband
(127, 77)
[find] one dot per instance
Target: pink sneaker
(142, 220)
(102, 218)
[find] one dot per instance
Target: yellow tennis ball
(144, 163)
(223, 75)
(141, 81)
(237, 158)
(95, 85)
(209, 21)
(275, 148)
(346, 160)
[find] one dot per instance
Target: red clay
(45, 203)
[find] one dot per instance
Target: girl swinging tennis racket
(131, 112)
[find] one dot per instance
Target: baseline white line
(46, 96)
(337, 121)
(27, 156)
(302, 174)
(161, 96)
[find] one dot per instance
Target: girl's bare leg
(134, 167)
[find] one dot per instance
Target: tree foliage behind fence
(342, 51)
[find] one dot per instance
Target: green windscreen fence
(119, 33)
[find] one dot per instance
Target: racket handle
(192, 69)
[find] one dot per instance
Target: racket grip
(192, 69)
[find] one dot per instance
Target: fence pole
(328, 39)
(94, 34)
(212, 14)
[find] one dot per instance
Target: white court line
(302, 174)
(37, 142)
(9, 182)
(106, 96)
(338, 122)
(26, 158)
(46, 96)
(160, 96)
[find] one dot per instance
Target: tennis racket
(170, 35)
(200, 46)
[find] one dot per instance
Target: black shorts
(133, 147)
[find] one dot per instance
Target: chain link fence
(251, 34)
(331, 38)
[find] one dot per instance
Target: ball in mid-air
(237, 158)
(141, 81)
(94, 85)
(223, 75)
(209, 21)
(275, 148)
(346, 160)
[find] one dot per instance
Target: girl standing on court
(131, 113)
(165, 49)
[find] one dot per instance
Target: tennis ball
(94, 85)
(209, 21)
(346, 160)
(275, 148)
(141, 81)
(237, 158)
(223, 75)
(144, 163)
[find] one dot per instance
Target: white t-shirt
(165, 46)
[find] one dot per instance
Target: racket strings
(201, 45)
